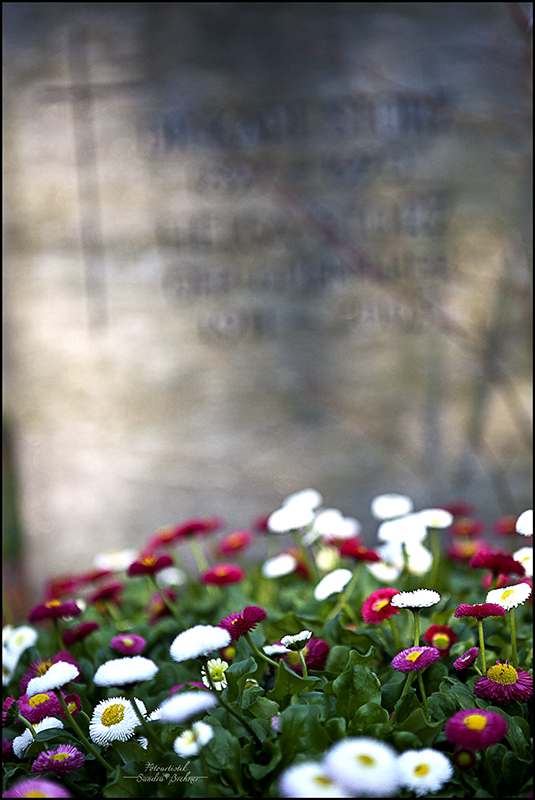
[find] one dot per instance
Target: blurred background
(256, 247)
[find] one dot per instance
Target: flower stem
(161, 592)
(146, 727)
(513, 637)
(424, 697)
(397, 643)
(306, 557)
(303, 664)
(416, 614)
(79, 732)
(259, 653)
(228, 708)
(74, 787)
(408, 680)
(434, 537)
(346, 594)
(198, 554)
(57, 632)
(482, 646)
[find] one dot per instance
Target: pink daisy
(53, 609)
(244, 622)
(415, 659)
(355, 549)
(223, 573)
(128, 643)
(467, 659)
(198, 525)
(149, 565)
(497, 562)
(442, 637)
(467, 526)
(9, 711)
(64, 759)
(109, 592)
(506, 526)
(235, 541)
(475, 729)
(42, 705)
(40, 667)
(480, 610)
(37, 787)
(504, 683)
(377, 606)
(464, 549)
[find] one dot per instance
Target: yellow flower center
(441, 641)
(413, 656)
(148, 561)
(217, 674)
(366, 761)
(52, 603)
(502, 673)
(37, 699)
(43, 668)
(113, 715)
(506, 594)
(34, 793)
(421, 770)
(128, 642)
(322, 780)
(381, 604)
(475, 722)
(166, 533)
(72, 707)
(59, 756)
(233, 540)
(221, 571)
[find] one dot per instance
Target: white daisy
(276, 567)
(363, 766)
(297, 641)
(424, 771)
(20, 639)
(183, 706)
(57, 675)
(22, 742)
(436, 517)
(306, 497)
(332, 583)
(408, 529)
(309, 780)
(383, 570)
(388, 506)
(115, 560)
(275, 649)
(171, 576)
(216, 670)
(524, 524)
(327, 558)
(198, 641)
(419, 560)
(122, 671)
(420, 598)
(293, 516)
(331, 523)
(191, 742)
(114, 719)
(510, 596)
(9, 663)
(525, 557)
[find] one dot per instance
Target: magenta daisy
(149, 565)
(467, 659)
(224, 573)
(36, 708)
(480, 610)
(109, 592)
(37, 787)
(415, 659)
(504, 683)
(38, 668)
(244, 622)
(475, 729)
(377, 606)
(53, 609)
(64, 759)
(234, 542)
(128, 643)
(79, 632)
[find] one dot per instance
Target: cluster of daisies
(140, 604)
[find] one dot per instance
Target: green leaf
(368, 715)
(353, 688)
(263, 708)
(418, 724)
(265, 761)
(223, 752)
(300, 731)
(337, 659)
(130, 751)
(288, 682)
(236, 675)
(289, 624)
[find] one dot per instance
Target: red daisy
(480, 610)
(355, 549)
(505, 526)
(467, 526)
(504, 683)
(54, 609)
(475, 729)
(244, 622)
(465, 549)
(442, 637)
(149, 564)
(79, 632)
(233, 542)
(223, 573)
(94, 575)
(200, 525)
(61, 586)
(497, 562)
(315, 652)
(377, 606)
(497, 581)
(109, 592)
(459, 508)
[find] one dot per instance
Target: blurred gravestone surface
(256, 247)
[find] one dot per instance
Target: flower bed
(327, 669)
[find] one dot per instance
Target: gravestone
(253, 248)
